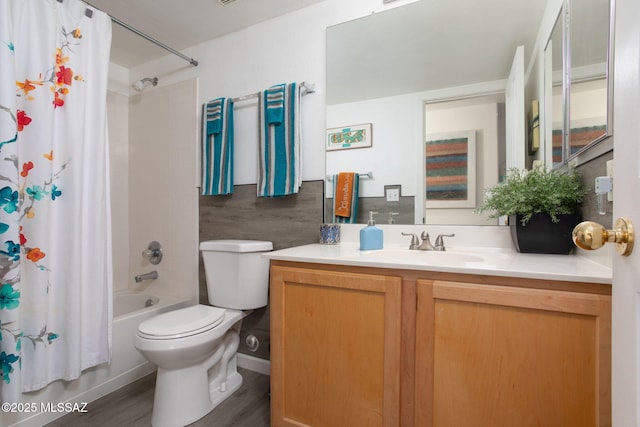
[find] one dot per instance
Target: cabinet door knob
(590, 235)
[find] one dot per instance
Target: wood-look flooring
(132, 404)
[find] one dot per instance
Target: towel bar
(308, 88)
(368, 175)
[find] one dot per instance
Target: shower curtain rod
(149, 38)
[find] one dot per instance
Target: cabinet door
(508, 356)
(335, 348)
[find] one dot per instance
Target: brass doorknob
(590, 235)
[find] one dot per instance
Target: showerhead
(141, 84)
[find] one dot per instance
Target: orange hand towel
(344, 194)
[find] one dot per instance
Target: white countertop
(463, 260)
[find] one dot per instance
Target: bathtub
(127, 364)
(126, 302)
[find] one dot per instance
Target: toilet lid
(182, 322)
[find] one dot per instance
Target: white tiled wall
(118, 116)
(153, 164)
(163, 197)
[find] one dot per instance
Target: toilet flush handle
(252, 343)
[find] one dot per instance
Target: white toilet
(195, 347)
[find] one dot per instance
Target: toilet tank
(237, 275)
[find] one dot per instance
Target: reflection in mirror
(461, 134)
(589, 35)
(581, 108)
(554, 90)
(381, 69)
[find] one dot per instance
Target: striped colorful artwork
(450, 169)
(447, 166)
(580, 138)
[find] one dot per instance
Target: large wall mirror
(580, 79)
(397, 69)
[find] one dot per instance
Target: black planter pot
(541, 235)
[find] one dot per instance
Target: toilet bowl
(195, 348)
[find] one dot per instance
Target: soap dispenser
(371, 236)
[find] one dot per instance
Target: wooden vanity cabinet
(356, 346)
(511, 356)
(335, 348)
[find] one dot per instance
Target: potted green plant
(542, 206)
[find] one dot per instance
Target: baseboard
(255, 364)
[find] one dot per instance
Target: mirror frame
(604, 143)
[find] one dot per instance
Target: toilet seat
(181, 323)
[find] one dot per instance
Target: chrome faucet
(426, 242)
(425, 245)
(147, 276)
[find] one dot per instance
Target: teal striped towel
(279, 171)
(217, 147)
(275, 104)
(353, 218)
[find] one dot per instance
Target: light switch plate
(392, 193)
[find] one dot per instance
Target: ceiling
(183, 24)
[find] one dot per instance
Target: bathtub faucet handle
(153, 253)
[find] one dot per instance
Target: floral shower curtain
(55, 244)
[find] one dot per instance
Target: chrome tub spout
(147, 276)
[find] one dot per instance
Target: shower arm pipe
(151, 39)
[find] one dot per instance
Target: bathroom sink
(428, 257)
